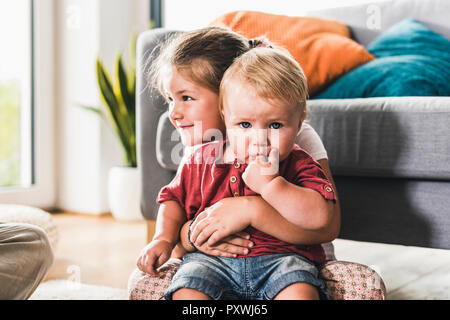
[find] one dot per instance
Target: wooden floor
(97, 249)
(103, 251)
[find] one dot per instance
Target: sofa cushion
(402, 137)
(411, 60)
(411, 37)
(323, 47)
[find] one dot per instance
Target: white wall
(86, 147)
(194, 14)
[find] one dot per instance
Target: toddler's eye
(187, 98)
(245, 125)
(275, 125)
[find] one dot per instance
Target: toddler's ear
(301, 122)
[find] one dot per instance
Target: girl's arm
(168, 224)
(224, 220)
(268, 220)
(171, 218)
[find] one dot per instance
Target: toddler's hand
(153, 256)
(261, 171)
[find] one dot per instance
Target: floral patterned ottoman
(345, 281)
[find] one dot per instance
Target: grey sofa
(390, 156)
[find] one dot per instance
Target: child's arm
(168, 224)
(218, 222)
(301, 206)
(229, 246)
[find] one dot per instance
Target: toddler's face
(194, 110)
(255, 125)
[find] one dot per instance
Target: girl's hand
(261, 171)
(153, 256)
(229, 247)
(216, 223)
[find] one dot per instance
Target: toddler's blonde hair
(272, 73)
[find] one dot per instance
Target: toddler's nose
(259, 137)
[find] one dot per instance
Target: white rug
(70, 290)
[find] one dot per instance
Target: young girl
(193, 65)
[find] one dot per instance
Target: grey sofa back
(149, 107)
(367, 21)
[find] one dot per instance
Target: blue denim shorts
(255, 278)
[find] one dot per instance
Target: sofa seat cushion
(402, 137)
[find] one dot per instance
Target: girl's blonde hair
(272, 73)
(202, 55)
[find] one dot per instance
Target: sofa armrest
(149, 108)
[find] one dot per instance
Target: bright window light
(16, 93)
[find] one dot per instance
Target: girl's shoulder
(299, 153)
(299, 158)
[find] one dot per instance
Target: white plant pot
(123, 193)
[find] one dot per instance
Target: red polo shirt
(204, 180)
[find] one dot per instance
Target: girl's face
(256, 125)
(194, 110)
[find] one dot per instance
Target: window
(16, 93)
(26, 103)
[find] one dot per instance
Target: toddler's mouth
(253, 156)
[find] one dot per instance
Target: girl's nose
(175, 112)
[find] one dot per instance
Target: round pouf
(25, 214)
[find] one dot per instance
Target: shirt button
(328, 189)
(237, 165)
(233, 179)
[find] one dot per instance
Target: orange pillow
(323, 47)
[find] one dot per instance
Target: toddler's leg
(298, 291)
(189, 294)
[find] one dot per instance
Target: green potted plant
(119, 109)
